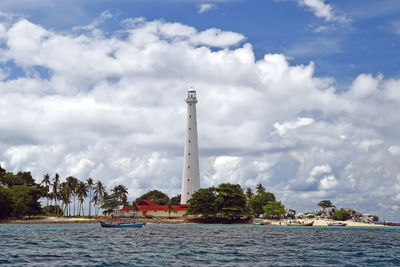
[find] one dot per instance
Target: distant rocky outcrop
(358, 216)
(327, 212)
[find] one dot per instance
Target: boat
(120, 225)
(337, 224)
(298, 223)
(391, 224)
(259, 222)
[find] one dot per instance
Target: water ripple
(194, 245)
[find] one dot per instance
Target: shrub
(375, 218)
(319, 213)
(325, 204)
(149, 216)
(310, 216)
(291, 215)
(341, 215)
(52, 210)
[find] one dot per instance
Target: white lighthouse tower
(191, 175)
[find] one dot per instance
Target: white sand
(324, 223)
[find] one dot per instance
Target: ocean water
(197, 245)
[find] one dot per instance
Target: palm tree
(89, 183)
(73, 185)
(249, 193)
(66, 198)
(260, 189)
(95, 200)
(171, 208)
(82, 194)
(56, 183)
(47, 183)
(99, 192)
(121, 193)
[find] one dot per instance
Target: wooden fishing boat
(120, 225)
(336, 224)
(391, 224)
(259, 222)
(298, 223)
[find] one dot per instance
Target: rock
(328, 212)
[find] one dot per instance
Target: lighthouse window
(188, 193)
(190, 104)
(188, 166)
(190, 128)
(189, 154)
(188, 180)
(190, 116)
(189, 141)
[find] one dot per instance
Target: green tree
(82, 194)
(155, 196)
(257, 202)
(5, 201)
(231, 201)
(73, 185)
(170, 209)
(134, 206)
(227, 201)
(203, 202)
(249, 193)
(47, 183)
(176, 200)
(291, 213)
(121, 194)
(9, 179)
(260, 188)
(274, 208)
(99, 193)
(96, 201)
(52, 210)
(90, 184)
(2, 172)
(325, 204)
(65, 197)
(56, 184)
(341, 215)
(25, 200)
(110, 203)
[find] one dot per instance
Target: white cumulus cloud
(206, 7)
(110, 106)
(394, 150)
(281, 129)
(322, 10)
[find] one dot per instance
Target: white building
(191, 174)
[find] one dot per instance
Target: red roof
(125, 208)
(149, 205)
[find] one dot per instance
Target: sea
(197, 245)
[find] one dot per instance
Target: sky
(299, 95)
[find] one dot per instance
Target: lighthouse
(190, 174)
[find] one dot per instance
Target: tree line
(20, 195)
(229, 202)
(61, 195)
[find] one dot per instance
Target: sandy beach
(325, 223)
(50, 220)
(63, 220)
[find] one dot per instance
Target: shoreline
(325, 223)
(62, 220)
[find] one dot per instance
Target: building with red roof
(149, 208)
